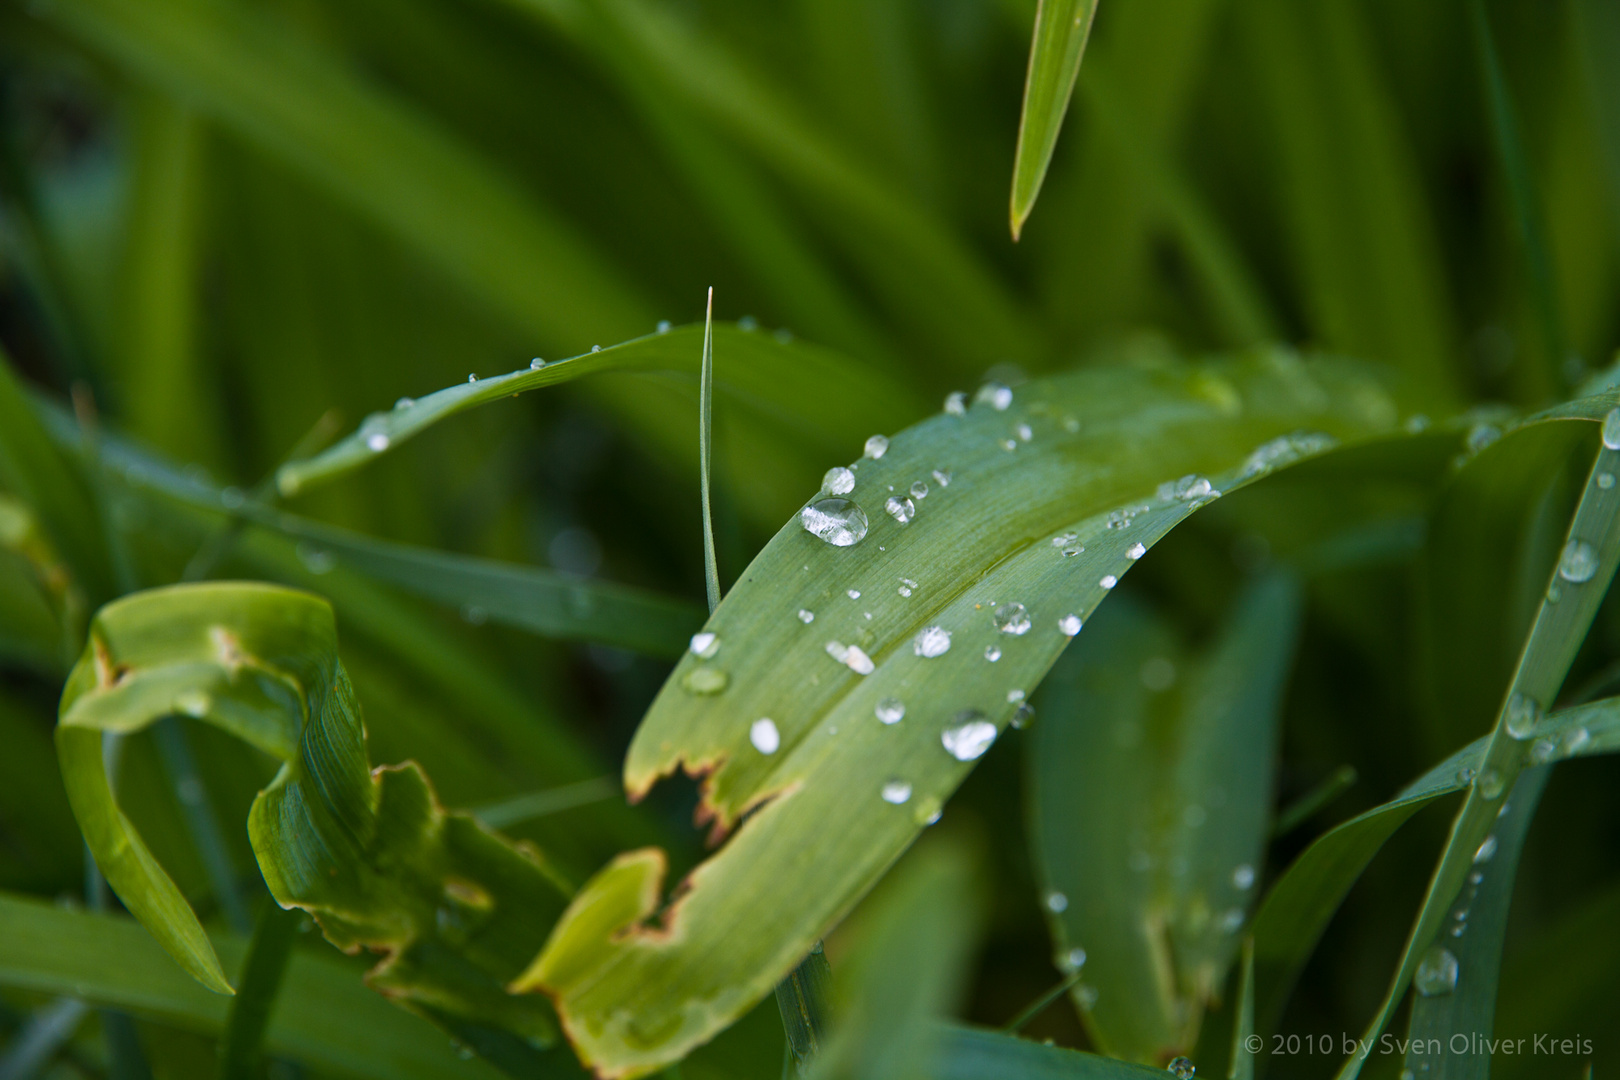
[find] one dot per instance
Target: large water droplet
(969, 737)
(1108, 581)
(377, 442)
(876, 446)
(891, 710)
(1491, 784)
(763, 734)
(1056, 902)
(998, 395)
(1070, 625)
(933, 641)
(1012, 618)
(536, 364)
(1523, 714)
(902, 510)
(838, 521)
(956, 403)
(1136, 551)
(919, 490)
(1611, 430)
(1182, 1068)
(838, 481)
(705, 644)
(472, 378)
(927, 810)
(1578, 563)
(1436, 973)
(896, 792)
(705, 681)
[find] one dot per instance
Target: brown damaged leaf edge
(1045, 494)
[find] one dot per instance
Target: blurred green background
(230, 226)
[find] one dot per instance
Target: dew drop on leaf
(1182, 1068)
(705, 644)
(942, 478)
(763, 734)
(998, 395)
(1074, 959)
(1014, 696)
(1243, 876)
(1611, 430)
(1486, 851)
(1012, 618)
(838, 481)
(1108, 581)
(193, 703)
(1436, 973)
(404, 403)
(932, 641)
(956, 403)
(1523, 715)
(896, 792)
(1056, 902)
(1136, 551)
(902, 510)
(377, 443)
(1578, 563)
(536, 364)
(890, 710)
(877, 446)
(1070, 625)
(992, 653)
(1023, 715)
(1491, 784)
(806, 616)
(969, 736)
(1605, 480)
(705, 681)
(839, 522)
(919, 490)
(1023, 432)
(853, 594)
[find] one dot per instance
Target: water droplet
(1542, 750)
(942, 477)
(1013, 618)
(839, 522)
(807, 616)
(1436, 973)
(876, 446)
(1232, 920)
(998, 395)
(763, 734)
(932, 641)
(853, 594)
(596, 348)
(472, 378)
(316, 560)
(969, 737)
(193, 703)
(1023, 432)
(1056, 901)
(890, 710)
(902, 510)
(1070, 625)
(992, 653)
(1136, 551)
(1523, 715)
(1022, 716)
(851, 656)
(1611, 430)
(404, 403)
(1578, 563)
(956, 403)
(919, 490)
(927, 811)
(838, 481)
(1605, 480)
(705, 644)
(663, 326)
(896, 792)
(1486, 851)
(377, 442)
(536, 364)
(1575, 740)
(1108, 581)
(1490, 784)
(1182, 1068)
(705, 681)
(1465, 775)
(1243, 876)
(1065, 539)
(1014, 696)
(1482, 435)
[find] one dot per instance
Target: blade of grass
(1597, 25)
(521, 808)
(1529, 222)
(202, 823)
(711, 569)
(1577, 586)
(1312, 802)
(269, 950)
(1244, 1045)
(1055, 51)
(1462, 1000)
(1040, 1005)
(48, 1028)
(974, 1054)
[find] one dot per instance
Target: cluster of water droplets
(1285, 450)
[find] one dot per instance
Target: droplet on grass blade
(763, 734)
(1012, 618)
(956, 403)
(890, 710)
(1523, 716)
(1069, 625)
(896, 792)
(902, 510)
(839, 522)
(705, 644)
(1056, 902)
(1611, 429)
(1436, 973)
(1578, 562)
(877, 446)
(838, 481)
(969, 737)
(932, 641)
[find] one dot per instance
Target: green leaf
(1244, 1044)
(324, 1017)
(1152, 782)
(784, 381)
(909, 950)
(455, 909)
(971, 1054)
(819, 830)
(1061, 30)
(1577, 586)
(1457, 985)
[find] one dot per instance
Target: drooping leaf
(1059, 42)
(1038, 498)
(455, 909)
(1152, 780)
(325, 1018)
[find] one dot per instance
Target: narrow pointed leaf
(974, 1054)
(1061, 30)
(781, 721)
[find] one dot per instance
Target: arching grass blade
(1059, 42)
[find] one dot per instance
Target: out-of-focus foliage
(231, 232)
